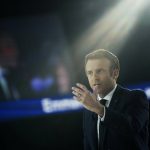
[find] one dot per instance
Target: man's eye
(99, 71)
(89, 73)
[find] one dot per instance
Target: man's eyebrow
(100, 69)
(88, 70)
(97, 69)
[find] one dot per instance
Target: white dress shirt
(108, 97)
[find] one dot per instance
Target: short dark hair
(102, 53)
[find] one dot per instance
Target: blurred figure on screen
(63, 79)
(8, 63)
(63, 73)
(53, 78)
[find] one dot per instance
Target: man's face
(8, 52)
(100, 78)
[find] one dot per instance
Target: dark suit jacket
(125, 124)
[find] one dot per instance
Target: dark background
(64, 131)
(80, 14)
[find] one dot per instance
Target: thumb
(95, 91)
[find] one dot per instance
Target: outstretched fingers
(80, 91)
(81, 86)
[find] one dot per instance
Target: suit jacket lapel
(94, 118)
(113, 104)
(115, 97)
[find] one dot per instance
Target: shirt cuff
(102, 118)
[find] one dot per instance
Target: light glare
(112, 30)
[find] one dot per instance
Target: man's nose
(95, 76)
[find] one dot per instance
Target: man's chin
(98, 91)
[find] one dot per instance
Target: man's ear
(115, 74)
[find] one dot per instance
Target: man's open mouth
(97, 84)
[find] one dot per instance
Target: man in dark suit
(115, 118)
(8, 67)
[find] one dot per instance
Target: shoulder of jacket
(138, 93)
(133, 92)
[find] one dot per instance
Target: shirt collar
(109, 95)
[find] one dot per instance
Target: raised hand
(88, 99)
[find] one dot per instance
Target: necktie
(101, 128)
(103, 101)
